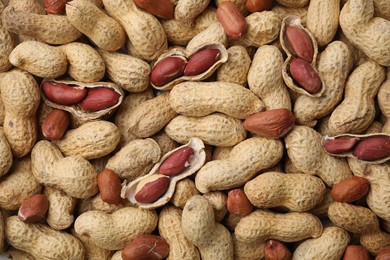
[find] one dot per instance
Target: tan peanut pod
(144, 30)
(78, 114)
(358, 22)
(39, 240)
(6, 157)
(91, 140)
(184, 190)
(16, 254)
(131, 73)
(85, 63)
(204, 98)
(357, 111)
(353, 218)
(187, 10)
(165, 142)
(178, 34)
(61, 207)
(169, 227)
(330, 245)
(321, 209)
(263, 28)
(126, 110)
(264, 72)
(358, 56)
(261, 225)
(195, 162)
(221, 153)
(211, 238)
(231, 220)
(51, 29)
(73, 174)
(383, 96)
(376, 241)
(330, 169)
(283, 11)
(245, 160)
(101, 29)
(135, 159)
(92, 251)
(322, 125)
(293, 3)
(217, 200)
(334, 65)
(100, 163)
(30, 6)
(21, 96)
(185, 55)
(215, 129)
(2, 233)
(214, 34)
(248, 251)
(323, 20)
(40, 59)
(96, 203)
(276, 189)
(114, 231)
(18, 185)
(382, 9)
(7, 44)
(236, 68)
(2, 108)
(151, 116)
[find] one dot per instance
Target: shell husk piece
(361, 137)
(197, 161)
(80, 115)
(185, 55)
(296, 21)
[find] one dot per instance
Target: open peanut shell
(182, 53)
(357, 139)
(196, 162)
(289, 81)
(80, 115)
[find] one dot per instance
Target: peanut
(33, 209)
(39, 239)
(383, 254)
(238, 203)
(218, 201)
(55, 6)
(270, 190)
(163, 8)
(201, 61)
(253, 250)
(146, 246)
(305, 76)
(372, 149)
(114, 231)
(213, 34)
(375, 242)
(109, 187)
(7, 45)
(99, 99)
(186, 11)
(55, 125)
(300, 43)
(330, 245)
(103, 30)
(258, 5)
(18, 254)
(151, 188)
(184, 190)
(92, 251)
(64, 94)
(291, 3)
(232, 20)
(167, 70)
(6, 157)
(200, 99)
(356, 252)
(176, 162)
(274, 250)
(261, 225)
(350, 189)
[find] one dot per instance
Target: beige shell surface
(196, 162)
(183, 54)
(361, 138)
(79, 114)
(214, 34)
(296, 21)
(7, 44)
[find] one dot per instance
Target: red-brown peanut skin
(351, 189)
(146, 247)
(176, 162)
(109, 187)
(232, 20)
(384, 254)
(201, 61)
(372, 149)
(167, 70)
(340, 145)
(151, 191)
(356, 252)
(33, 209)
(275, 250)
(258, 5)
(302, 72)
(55, 124)
(238, 203)
(99, 99)
(62, 93)
(300, 43)
(161, 8)
(55, 6)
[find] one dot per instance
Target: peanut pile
(195, 129)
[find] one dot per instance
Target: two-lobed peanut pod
(296, 192)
